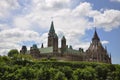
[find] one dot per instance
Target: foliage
(51, 59)
(24, 67)
(12, 52)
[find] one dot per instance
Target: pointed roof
(52, 30)
(95, 36)
(63, 38)
(42, 46)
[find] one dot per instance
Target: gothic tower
(51, 35)
(23, 50)
(55, 43)
(53, 38)
(63, 45)
(96, 52)
(42, 46)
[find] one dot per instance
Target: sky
(27, 22)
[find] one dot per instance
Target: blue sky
(113, 35)
(25, 22)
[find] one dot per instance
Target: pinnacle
(95, 37)
(52, 30)
(63, 38)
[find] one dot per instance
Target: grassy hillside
(26, 68)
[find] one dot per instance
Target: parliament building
(95, 53)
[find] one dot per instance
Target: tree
(60, 76)
(102, 71)
(68, 72)
(26, 73)
(77, 74)
(12, 52)
(43, 74)
(88, 73)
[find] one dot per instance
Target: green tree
(117, 72)
(44, 74)
(88, 73)
(12, 52)
(53, 72)
(5, 60)
(68, 72)
(77, 74)
(25, 73)
(60, 76)
(85, 74)
(102, 71)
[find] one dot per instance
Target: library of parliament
(95, 52)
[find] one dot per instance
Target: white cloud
(18, 35)
(71, 22)
(109, 20)
(115, 0)
(83, 45)
(6, 6)
(21, 22)
(105, 42)
(82, 9)
(57, 3)
(4, 51)
(3, 27)
(12, 38)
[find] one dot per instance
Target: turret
(55, 44)
(34, 51)
(63, 44)
(23, 50)
(110, 59)
(42, 46)
(95, 37)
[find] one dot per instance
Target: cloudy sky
(27, 22)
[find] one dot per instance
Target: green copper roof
(52, 30)
(34, 46)
(46, 50)
(73, 51)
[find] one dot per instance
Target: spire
(63, 38)
(52, 30)
(95, 37)
(110, 58)
(42, 46)
(110, 55)
(52, 35)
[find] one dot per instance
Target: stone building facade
(95, 53)
(53, 39)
